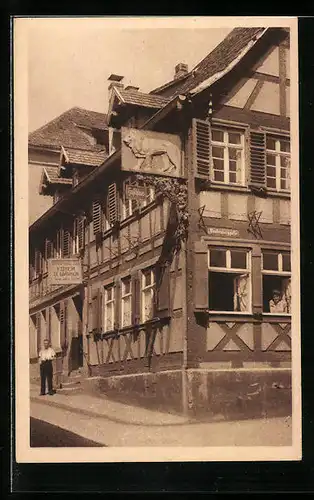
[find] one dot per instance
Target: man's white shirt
(46, 354)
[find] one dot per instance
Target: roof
(215, 62)
(67, 130)
(81, 157)
(141, 99)
(53, 176)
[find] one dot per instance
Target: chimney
(180, 70)
(132, 87)
(115, 81)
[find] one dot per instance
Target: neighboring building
(181, 252)
(76, 128)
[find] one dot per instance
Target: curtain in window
(286, 293)
(241, 292)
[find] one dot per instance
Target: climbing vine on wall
(176, 192)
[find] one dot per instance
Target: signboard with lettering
(223, 231)
(147, 151)
(64, 271)
(135, 193)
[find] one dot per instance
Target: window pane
(271, 171)
(108, 294)
(271, 182)
(217, 152)
(233, 166)
(286, 263)
(285, 146)
(126, 286)
(126, 318)
(217, 135)
(147, 278)
(228, 292)
(270, 143)
(271, 159)
(217, 258)
(234, 138)
(284, 161)
(233, 177)
(219, 176)
(270, 261)
(218, 164)
(238, 259)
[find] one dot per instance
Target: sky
(70, 60)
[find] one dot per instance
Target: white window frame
(147, 289)
(278, 155)
(226, 146)
(228, 269)
(280, 272)
(128, 208)
(109, 304)
(125, 297)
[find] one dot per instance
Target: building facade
(182, 227)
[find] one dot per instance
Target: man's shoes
(51, 393)
(42, 394)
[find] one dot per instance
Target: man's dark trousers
(46, 373)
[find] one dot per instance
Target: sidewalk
(116, 424)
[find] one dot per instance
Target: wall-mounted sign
(146, 151)
(64, 272)
(135, 193)
(222, 231)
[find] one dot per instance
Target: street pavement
(110, 423)
(47, 435)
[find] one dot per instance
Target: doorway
(76, 353)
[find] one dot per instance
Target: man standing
(46, 356)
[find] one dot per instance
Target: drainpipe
(185, 389)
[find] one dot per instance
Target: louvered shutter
(59, 243)
(117, 303)
(163, 291)
(62, 315)
(95, 311)
(66, 242)
(49, 324)
(201, 276)
(257, 158)
(96, 214)
(81, 232)
(201, 134)
(136, 297)
(38, 262)
(49, 249)
(38, 331)
(113, 204)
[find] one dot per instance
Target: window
(75, 240)
(229, 279)
(126, 302)
(148, 294)
(276, 268)
(228, 156)
(278, 163)
(109, 304)
(130, 205)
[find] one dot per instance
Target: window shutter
(38, 262)
(163, 291)
(62, 314)
(48, 249)
(117, 303)
(96, 311)
(81, 232)
(113, 204)
(201, 276)
(136, 298)
(38, 331)
(257, 158)
(49, 324)
(201, 135)
(59, 243)
(66, 242)
(96, 214)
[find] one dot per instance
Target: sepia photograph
(157, 239)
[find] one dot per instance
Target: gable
(265, 84)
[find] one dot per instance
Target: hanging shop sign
(64, 272)
(136, 193)
(223, 231)
(151, 152)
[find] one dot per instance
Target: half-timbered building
(181, 225)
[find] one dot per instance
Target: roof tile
(66, 130)
(88, 158)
